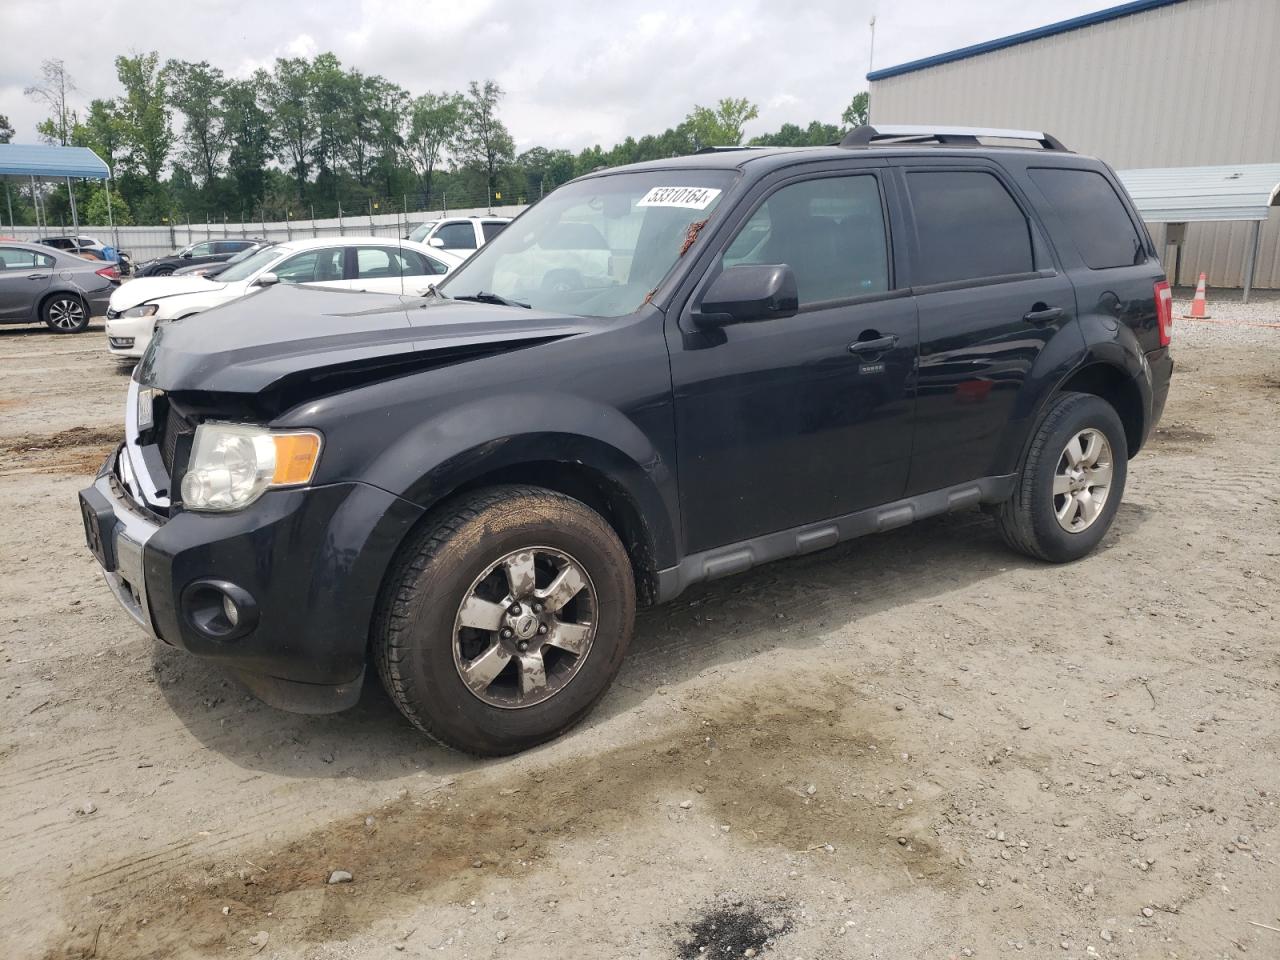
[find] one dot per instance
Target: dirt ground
(915, 746)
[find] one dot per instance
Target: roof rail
(728, 149)
(923, 134)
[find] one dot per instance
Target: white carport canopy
(1245, 191)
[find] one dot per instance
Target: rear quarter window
(1094, 215)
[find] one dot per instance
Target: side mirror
(435, 242)
(185, 254)
(749, 293)
(266, 280)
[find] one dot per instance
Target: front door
(24, 275)
(990, 298)
(804, 418)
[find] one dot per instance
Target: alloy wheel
(525, 627)
(1082, 480)
(66, 313)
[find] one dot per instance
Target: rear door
(378, 270)
(990, 298)
(24, 276)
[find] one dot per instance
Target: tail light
(109, 273)
(1164, 311)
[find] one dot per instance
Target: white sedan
(342, 263)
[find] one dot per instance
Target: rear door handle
(879, 345)
(1042, 315)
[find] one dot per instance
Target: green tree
(790, 135)
(53, 89)
(95, 208)
(722, 125)
(148, 137)
(331, 114)
(287, 97)
(435, 125)
(6, 129)
(484, 143)
(102, 131)
(859, 110)
(195, 90)
(251, 144)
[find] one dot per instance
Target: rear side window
(831, 233)
(1094, 216)
(457, 236)
(968, 227)
(491, 229)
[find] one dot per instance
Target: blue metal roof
(30, 160)
(1063, 26)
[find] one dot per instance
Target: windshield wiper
(483, 296)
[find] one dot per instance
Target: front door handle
(878, 345)
(38, 276)
(1042, 314)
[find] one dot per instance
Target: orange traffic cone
(1199, 306)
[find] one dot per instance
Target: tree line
(310, 137)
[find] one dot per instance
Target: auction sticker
(691, 198)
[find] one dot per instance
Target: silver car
(41, 285)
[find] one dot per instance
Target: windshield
(419, 233)
(244, 254)
(248, 266)
(596, 247)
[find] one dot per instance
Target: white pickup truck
(459, 235)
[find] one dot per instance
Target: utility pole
(871, 60)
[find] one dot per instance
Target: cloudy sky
(576, 72)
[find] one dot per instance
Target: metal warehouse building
(1151, 83)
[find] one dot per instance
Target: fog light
(219, 610)
(229, 610)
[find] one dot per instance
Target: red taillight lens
(1164, 311)
(110, 273)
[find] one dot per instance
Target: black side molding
(738, 557)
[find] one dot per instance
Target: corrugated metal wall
(1190, 84)
(144, 243)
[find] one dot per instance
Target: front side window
(829, 231)
(314, 266)
(968, 227)
(200, 249)
(595, 247)
(1095, 218)
(457, 236)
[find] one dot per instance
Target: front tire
(504, 619)
(1071, 482)
(65, 313)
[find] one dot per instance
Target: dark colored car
(783, 349)
(211, 270)
(206, 251)
(40, 284)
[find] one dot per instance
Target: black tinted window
(1095, 218)
(491, 229)
(968, 227)
(830, 232)
(457, 236)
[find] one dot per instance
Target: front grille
(175, 432)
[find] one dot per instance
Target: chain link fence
(144, 243)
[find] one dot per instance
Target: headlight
(142, 310)
(233, 464)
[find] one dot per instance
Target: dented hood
(255, 343)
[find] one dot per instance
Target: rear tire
(65, 313)
(446, 612)
(1071, 482)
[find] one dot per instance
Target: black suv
(660, 374)
(206, 251)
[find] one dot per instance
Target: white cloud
(576, 72)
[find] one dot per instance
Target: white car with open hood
(371, 264)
